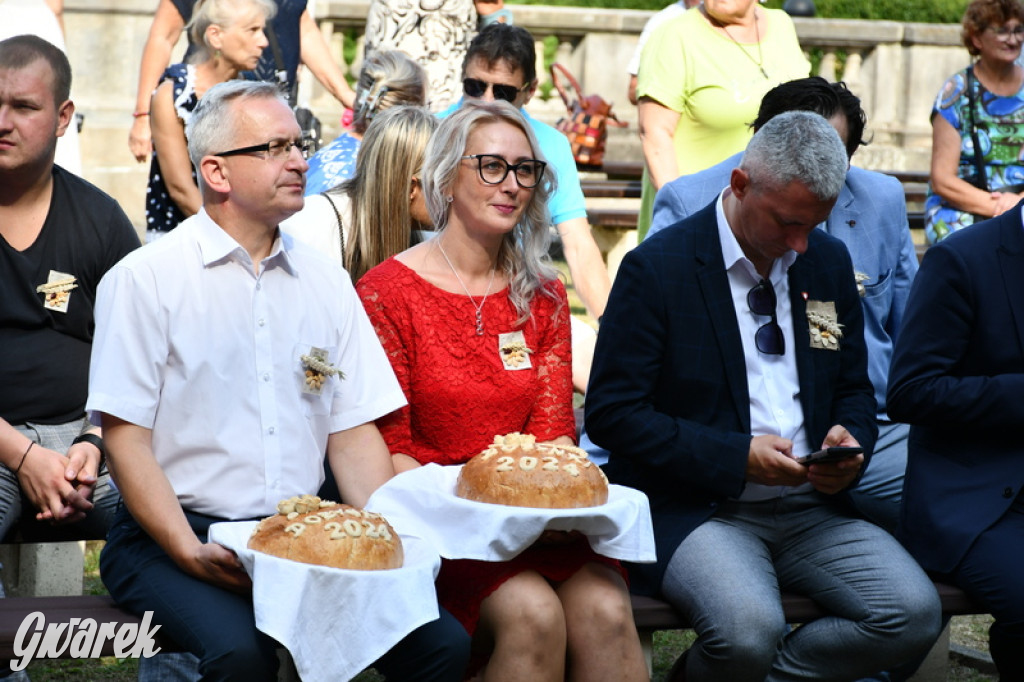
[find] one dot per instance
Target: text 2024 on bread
(518, 471)
(315, 531)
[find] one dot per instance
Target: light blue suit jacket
(870, 217)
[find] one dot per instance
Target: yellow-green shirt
(715, 84)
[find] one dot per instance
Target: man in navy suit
(733, 342)
(958, 379)
(870, 217)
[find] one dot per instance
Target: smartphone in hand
(829, 455)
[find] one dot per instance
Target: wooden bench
(649, 613)
(633, 170)
(43, 560)
(611, 189)
(611, 225)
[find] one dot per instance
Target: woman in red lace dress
(444, 310)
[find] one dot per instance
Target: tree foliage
(924, 11)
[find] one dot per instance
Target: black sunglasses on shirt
(768, 338)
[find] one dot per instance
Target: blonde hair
(524, 251)
(223, 13)
(388, 78)
(390, 156)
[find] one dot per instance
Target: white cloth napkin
(424, 499)
(334, 622)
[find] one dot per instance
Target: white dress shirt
(317, 224)
(193, 344)
(772, 380)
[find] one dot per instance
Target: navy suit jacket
(668, 393)
(870, 217)
(958, 379)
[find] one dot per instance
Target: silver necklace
(479, 308)
(759, 62)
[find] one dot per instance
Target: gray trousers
(13, 503)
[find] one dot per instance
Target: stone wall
(895, 68)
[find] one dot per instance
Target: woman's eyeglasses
(277, 150)
(474, 87)
(493, 170)
(761, 301)
(1006, 32)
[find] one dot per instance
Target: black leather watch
(94, 440)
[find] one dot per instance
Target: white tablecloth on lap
(463, 529)
(334, 622)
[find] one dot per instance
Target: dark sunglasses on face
(761, 301)
(474, 87)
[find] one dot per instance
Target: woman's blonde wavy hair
(390, 156)
(524, 251)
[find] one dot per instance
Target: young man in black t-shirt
(58, 236)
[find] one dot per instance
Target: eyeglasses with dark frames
(474, 87)
(761, 301)
(277, 150)
(493, 170)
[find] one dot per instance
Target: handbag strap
(281, 72)
(556, 68)
(341, 229)
(979, 157)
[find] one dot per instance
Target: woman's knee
(596, 600)
(526, 608)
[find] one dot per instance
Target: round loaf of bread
(313, 531)
(518, 471)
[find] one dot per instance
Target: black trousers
(219, 627)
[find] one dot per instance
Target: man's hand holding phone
(836, 465)
(833, 454)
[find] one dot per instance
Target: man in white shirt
(198, 374)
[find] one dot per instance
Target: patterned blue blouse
(1000, 124)
(334, 163)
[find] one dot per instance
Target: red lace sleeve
(552, 415)
(391, 320)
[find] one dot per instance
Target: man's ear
(214, 174)
(530, 92)
(65, 117)
(739, 182)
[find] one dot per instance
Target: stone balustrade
(895, 68)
